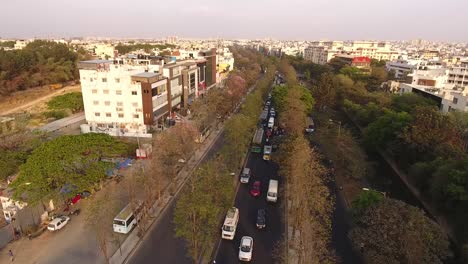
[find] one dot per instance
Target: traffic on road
(258, 201)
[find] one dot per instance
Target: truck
(267, 152)
(272, 194)
(257, 141)
(228, 230)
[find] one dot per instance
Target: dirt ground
(32, 100)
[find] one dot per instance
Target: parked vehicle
(58, 223)
(267, 152)
(85, 194)
(127, 218)
(246, 248)
(255, 191)
(245, 176)
(310, 126)
(228, 230)
(272, 194)
(261, 218)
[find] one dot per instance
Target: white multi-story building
(321, 52)
(448, 86)
(127, 97)
(372, 49)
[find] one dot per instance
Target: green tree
(325, 92)
(431, 129)
(72, 101)
(66, 161)
(200, 207)
(394, 232)
(386, 128)
(365, 200)
(409, 101)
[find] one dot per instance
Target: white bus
(126, 219)
(230, 224)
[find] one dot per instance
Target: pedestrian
(10, 253)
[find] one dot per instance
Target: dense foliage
(7, 44)
(14, 150)
(390, 231)
(124, 49)
(430, 146)
(72, 161)
(39, 63)
(70, 101)
(310, 203)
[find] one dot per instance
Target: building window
(95, 102)
(134, 93)
(97, 114)
(119, 103)
(94, 91)
(106, 91)
(136, 116)
(108, 115)
(135, 104)
(104, 79)
(118, 92)
(121, 115)
(117, 80)
(455, 100)
(107, 103)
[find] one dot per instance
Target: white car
(58, 223)
(246, 248)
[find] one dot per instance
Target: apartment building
(372, 49)
(321, 52)
(127, 97)
(448, 86)
(401, 68)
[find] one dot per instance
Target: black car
(261, 218)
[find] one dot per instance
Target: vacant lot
(32, 100)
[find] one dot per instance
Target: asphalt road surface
(264, 240)
(161, 245)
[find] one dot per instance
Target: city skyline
(295, 19)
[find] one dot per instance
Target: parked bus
(127, 218)
(257, 141)
(230, 224)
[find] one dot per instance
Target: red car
(255, 191)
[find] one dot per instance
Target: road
(161, 245)
(64, 122)
(264, 240)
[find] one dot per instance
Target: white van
(245, 176)
(271, 122)
(272, 194)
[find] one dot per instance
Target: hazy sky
(282, 19)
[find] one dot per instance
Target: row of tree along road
(418, 139)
